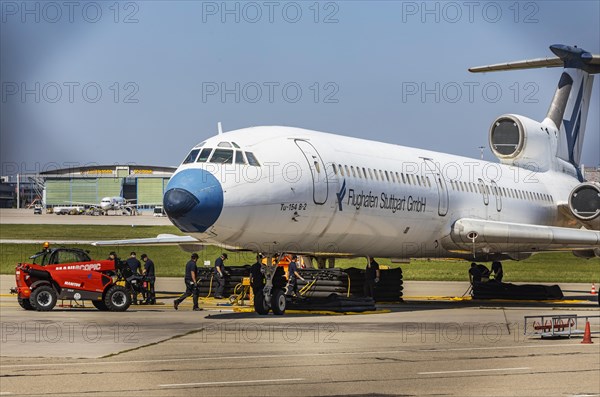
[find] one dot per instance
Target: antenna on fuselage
(219, 128)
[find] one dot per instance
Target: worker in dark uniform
(134, 263)
(478, 273)
(220, 276)
(371, 277)
(136, 268)
(257, 277)
(190, 279)
(293, 276)
(497, 270)
(474, 274)
(150, 278)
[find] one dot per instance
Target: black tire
(24, 303)
(117, 298)
(260, 306)
(100, 305)
(43, 298)
(278, 302)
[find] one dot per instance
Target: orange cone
(593, 291)
(587, 335)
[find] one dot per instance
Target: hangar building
(144, 185)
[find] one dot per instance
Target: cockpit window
(235, 145)
(191, 157)
(204, 155)
(224, 144)
(200, 145)
(222, 156)
(252, 160)
(239, 157)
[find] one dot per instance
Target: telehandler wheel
(43, 298)
(117, 298)
(100, 305)
(24, 303)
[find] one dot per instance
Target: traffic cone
(587, 335)
(593, 291)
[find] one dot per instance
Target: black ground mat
(333, 303)
(496, 290)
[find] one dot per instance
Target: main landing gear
(272, 297)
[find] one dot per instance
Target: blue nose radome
(193, 200)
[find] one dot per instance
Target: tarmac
(26, 217)
(434, 343)
(438, 342)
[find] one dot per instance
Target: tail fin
(569, 108)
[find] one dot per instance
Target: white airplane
(281, 189)
(116, 203)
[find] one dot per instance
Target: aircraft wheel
(43, 298)
(260, 305)
(25, 304)
(117, 299)
(278, 301)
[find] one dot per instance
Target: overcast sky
(141, 82)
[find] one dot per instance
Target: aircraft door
(432, 169)
(496, 191)
(317, 170)
(483, 189)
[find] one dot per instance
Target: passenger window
(334, 169)
(347, 170)
(353, 172)
(252, 160)
(393, 177)
(204, 155)
(239, 157)
(222, 156)
(341, 170)
(387, 177)
(191, 157)
(370, 174)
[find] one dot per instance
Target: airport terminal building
(143, 185)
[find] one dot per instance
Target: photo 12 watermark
(449, 92)
(253, 12)
(50, 12)
(454, 12)
(250, 92)
(252, 332)
(68, 332)
(70, 92)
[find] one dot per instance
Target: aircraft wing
(505, 237)
(161, 239)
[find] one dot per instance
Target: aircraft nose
(193, 200)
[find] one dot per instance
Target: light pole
(481, 149)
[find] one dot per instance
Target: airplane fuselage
(332, 195)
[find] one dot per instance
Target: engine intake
(518, 140)
(584, 201)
